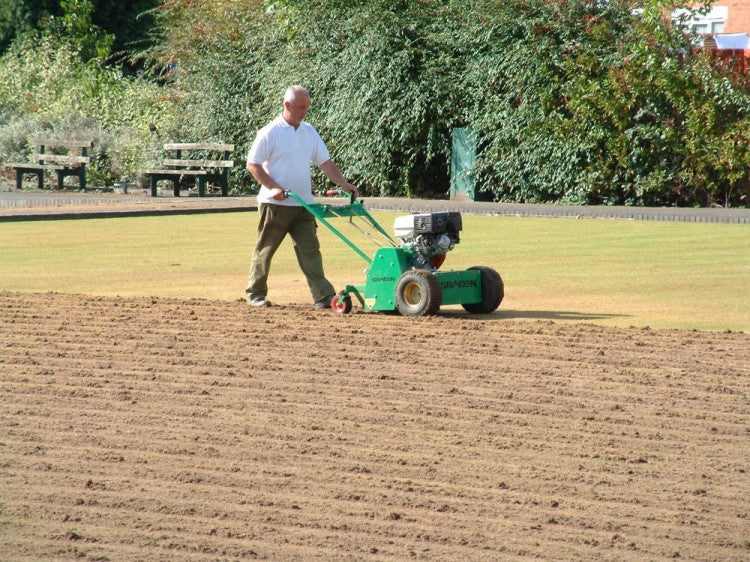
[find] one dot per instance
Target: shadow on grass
(556, 315)
(502, 314)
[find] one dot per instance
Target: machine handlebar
(329, 193)
(335, 192)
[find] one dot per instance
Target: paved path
(46, 205)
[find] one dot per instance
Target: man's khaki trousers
(276, 221)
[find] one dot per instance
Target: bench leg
(19, 179)
(40, 179)
(60, 177)
(201, 186)
(176, 187)
(224, 187)
(153, 186)
(82, 179)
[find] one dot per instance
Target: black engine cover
(438, 223)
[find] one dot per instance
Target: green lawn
(613, 272)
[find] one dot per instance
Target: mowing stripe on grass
(642, 273)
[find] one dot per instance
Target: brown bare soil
(156, 429)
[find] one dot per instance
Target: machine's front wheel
(493, 291)
(342, 304)
(418, 293)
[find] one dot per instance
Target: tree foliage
(579, 101)
(585, 101)
(58, 80)
(49, 90)
(115, 27)
(21, 16)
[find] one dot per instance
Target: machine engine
(429, 235)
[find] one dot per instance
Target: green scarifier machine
(404, 275)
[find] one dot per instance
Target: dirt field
(155, 429)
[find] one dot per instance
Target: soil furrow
(135, 429)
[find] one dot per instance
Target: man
(279, 160)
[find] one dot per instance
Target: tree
(575, 101)
(128, 23)
(21, 16)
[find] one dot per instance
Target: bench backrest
(48, 151)
(179, 162)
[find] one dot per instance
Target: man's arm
(333, 173)
(264, 179)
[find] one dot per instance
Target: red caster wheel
(342, 304)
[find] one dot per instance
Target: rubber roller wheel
(493, 291)
(418, 293)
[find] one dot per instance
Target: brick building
(737, 16)
(725, 33)
(725, 27)
(726, 16)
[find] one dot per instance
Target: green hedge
(573, 101)
(48, 89)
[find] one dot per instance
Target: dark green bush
(49, 90)
(572, 101)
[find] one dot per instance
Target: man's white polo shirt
(286, 153)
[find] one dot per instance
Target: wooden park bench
(200, 170)
(65, 157)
